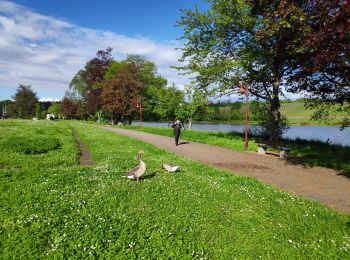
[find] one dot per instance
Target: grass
(311, 152)
(62, 210)
(229, 140)
(296, 114)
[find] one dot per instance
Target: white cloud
(46, 52)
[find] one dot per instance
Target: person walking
(177, 131)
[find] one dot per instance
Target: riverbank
(297, 120)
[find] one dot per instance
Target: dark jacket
(177, 128)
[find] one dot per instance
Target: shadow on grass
(312, 152)
(149, 176)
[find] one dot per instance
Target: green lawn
(296, 114)
(53, 208)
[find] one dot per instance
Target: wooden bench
(263, 145)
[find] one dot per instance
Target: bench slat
(272, 144)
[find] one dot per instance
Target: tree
(37, 111)
(68, 108)
(194, 107)
(25, 101)
(121, 94)
(170, 99)
(242, 40)
(55, 109)
(87, 82)
(153, 84)
(259, 113)
(323, 58)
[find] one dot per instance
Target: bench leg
(261, 150)
(283, 154)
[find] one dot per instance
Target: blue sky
(154, 18)
(45, 42)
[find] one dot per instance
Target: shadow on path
(345, 174)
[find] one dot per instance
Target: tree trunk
(275, 115)
(189, 124)
(99, 114)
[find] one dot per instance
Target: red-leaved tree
(121, 94)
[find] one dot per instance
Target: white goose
(138, 171)
(171, 167)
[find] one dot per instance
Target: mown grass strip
(200, 212)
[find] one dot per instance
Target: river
(322, 133)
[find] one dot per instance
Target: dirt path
(330, 187)
(85, 159)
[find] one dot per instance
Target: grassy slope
(311, 152)
(71, 211)
(296, 114)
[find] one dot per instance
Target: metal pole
(246, 117)
(140, 114)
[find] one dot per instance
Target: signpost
(243, 87)
(139, 105)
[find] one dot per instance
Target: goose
(139, 170)
(171, 167)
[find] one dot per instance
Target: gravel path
(328, 186)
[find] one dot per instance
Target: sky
(44, 43)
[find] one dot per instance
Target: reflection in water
(322, 133)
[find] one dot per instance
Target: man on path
(177, 131)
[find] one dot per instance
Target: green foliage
(113, 68)
(55, 109)
(169, 101)
(38, 111)
(25, 101)
(262, 113)
(68, 211)
(195, 106)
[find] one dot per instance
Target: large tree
(121, 94)
(153, 85)
(87, 83)
(322, 69)
(69, 108)
(228, 43)
(25, 101)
